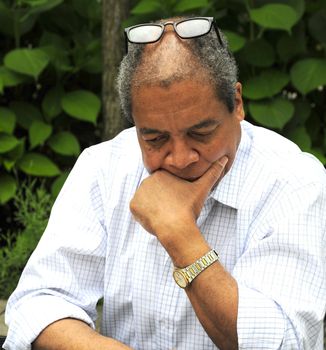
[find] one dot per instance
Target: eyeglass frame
(211, 21)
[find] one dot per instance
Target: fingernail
(223, 161)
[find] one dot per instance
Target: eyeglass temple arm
(218, 33)
(126, 41)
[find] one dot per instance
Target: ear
(238, 111)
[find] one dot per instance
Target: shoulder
(120, 153)
(122, 145)
(276, 168)
(282, 159)
(108, 167)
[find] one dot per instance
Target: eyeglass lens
(145, 33)
(186, 29)
(193, 28)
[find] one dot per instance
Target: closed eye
(160, 139)
(202, 135)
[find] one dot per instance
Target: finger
(213, 174)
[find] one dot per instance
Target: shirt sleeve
(64, 276)
(281, 274)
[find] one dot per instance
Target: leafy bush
(280, 46)
(50, 80)
(33, 204)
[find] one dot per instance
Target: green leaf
(145, 7)
(236, 41)
(317, 25)
(59, 57)
(40, 7)
(259, 53)
(7, 120)
(27, 61)
(10, 78)
(16, 152)
(290, 46)
(58, 19)
(308, 74)
(7, 142)
(34, 3)
(92, 61)
(8, 188)
(94, 64)
(26, 113)
(275, 16)
(267, 84)
(301, 137)
(274, 114)
(82, 105)
(302, 111)
(65, 143)
(51, 104)
(58, 183)
(38, 133)
(187, 5)
(1, 86)
(88, 9)
(53, 39)
(38, 165)
(8, 18)
(297, 5)
(8, 164)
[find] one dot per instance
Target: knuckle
(132, 206)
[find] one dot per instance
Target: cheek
(214, 151)
(152, 159)
(218, 149)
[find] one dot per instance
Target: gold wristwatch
(184, 276)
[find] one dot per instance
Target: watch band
(183, 277)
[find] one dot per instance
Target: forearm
(213, 293)
(214, 297)
(72, 334)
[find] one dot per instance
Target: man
(236, 211)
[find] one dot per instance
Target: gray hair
(216, 61)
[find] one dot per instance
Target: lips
(186, 177)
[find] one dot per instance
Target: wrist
(184, 243)
(184, 276)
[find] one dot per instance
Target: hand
(164, 202)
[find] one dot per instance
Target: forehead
(183, 103)
(174, 87)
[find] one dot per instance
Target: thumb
(212, 175)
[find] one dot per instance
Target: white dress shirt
(266, 219)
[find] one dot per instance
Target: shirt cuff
(28, 319)
(261, 323)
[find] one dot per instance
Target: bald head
(166, 61)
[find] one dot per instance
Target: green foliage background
(33, 204)
(50, 79)
(50, 83)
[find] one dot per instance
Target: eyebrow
(203, 124)
(148, 131)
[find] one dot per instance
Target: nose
(181, 155)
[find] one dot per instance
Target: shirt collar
(228, 190)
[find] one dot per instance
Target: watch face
(180, 279)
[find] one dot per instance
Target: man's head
(183, 96)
